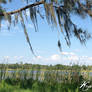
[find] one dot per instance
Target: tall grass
(37, 80)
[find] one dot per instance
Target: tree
(57, 13)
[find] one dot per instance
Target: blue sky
(14, 48)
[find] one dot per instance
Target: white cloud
(39, 57)
(67, 53)
(63, 58)
(55, 57)
(6, 57)
(18, 57)
(73, 58)
(77, 50)
(15, 57)
(85, 58)
(64, 53)
(90, 58)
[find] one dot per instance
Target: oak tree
(57, 13)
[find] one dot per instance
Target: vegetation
(45, 67)
(42, 78)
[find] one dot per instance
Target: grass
(22, 80)
(36, 87)
(4, 87)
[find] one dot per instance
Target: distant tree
(84, 67)
(57, 13)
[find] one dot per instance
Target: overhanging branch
(21, 9)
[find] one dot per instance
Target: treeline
(45, 67)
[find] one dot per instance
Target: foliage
(43, 67)
(4, 87)
(38, 79)
(57, 13)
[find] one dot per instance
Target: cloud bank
(65, 58)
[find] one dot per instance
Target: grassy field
(43, 80)
(37, 87)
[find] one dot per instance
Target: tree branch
(21, 9)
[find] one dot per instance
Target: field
(39, 78)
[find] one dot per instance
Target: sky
(15, 49)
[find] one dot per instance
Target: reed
(37, 80)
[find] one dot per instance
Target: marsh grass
(36, 80)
